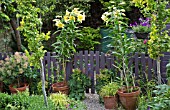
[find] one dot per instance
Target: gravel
(92, 102)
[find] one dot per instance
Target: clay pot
(22, 88)
(60, 87)
(129, 100)
(111, 102)
(1, 86)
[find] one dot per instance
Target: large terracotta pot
(111, 102)
(129, 100)
(22, 88)
(60, 87)
(1, 86)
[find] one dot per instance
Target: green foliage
(108, 3)
(78, 82)
(122, 45)
(88, 38)
(62, 102)
(161, 101)
(15, 68)
(59, 99)
(168, 73)
(30, 27)
(109, 90)
(103, 78)
(23, 101)
(160, 16)
(39, 87)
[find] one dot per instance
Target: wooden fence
(91, 62)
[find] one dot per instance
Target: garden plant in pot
(109, 94)
(142, 29)
(15, 70)
(123, 48)
(64, 45)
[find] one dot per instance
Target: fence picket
(136, 65)
(92, 71)
(149, 69)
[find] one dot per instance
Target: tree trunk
(14, 25)
(159, 71)
(43, 83)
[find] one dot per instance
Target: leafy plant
(88, 38)
(64, 45)
(23, 101)
(109, 90)
(62, 102)
(123, 46)
(161, 101)
(15, 69)
(103, 78)
(78, 82)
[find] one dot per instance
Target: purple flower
(148, 108)
(144, 24)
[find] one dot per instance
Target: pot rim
(134, 93)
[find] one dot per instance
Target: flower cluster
(142, 27)
(14, 66)
(73, 16)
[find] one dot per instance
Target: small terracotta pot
(60, 87)
(129, 100)
(19, 89)
(111, 102)
(1, 86)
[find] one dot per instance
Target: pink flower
(145, 41)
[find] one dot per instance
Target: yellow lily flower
(72, 18)
(59, 24)
(67, 13)
(104, 18)
(81, 17)
(66, 18)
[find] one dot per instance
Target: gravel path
(92, 102)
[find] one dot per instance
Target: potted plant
(78, 82)
(141, 29)
(108, 92)
(14, 70)
(123, 48)
(64, 45)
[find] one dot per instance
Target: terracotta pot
(60, 87)
(22, 88)
(129, 100)
(141, 35)
(111, 102)
(1, 86)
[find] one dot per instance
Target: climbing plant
(159, 41)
